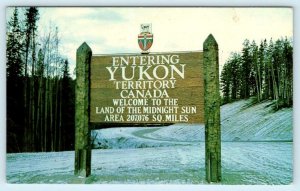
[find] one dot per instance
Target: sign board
(137, 89)
(154, 88)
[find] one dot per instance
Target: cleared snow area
(256, 149)
(242, 163)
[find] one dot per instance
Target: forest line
(264, 71)
(40, 91)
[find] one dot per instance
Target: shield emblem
(145, 41)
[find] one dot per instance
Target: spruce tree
(29, 85)
(68, 109)
(14, 84)
(246, 70)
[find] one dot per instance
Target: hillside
(242, 121)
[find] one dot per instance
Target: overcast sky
(115, 30)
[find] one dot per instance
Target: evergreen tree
(246, 70)
(225, 83)
(29, 83)
(288, 84)
(68, 109)
(14, 84)
(14, 48)
(231, 78)
(261, 72)
(255, 72)
(235, 73)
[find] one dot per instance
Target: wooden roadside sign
(159, 88)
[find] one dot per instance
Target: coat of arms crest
(145, 38)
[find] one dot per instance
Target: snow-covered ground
(242, 163)
(256, 123)
(260, 154)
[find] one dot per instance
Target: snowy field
(256, 149)
(242, 163)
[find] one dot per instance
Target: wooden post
(212, 110)
(82, 94)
